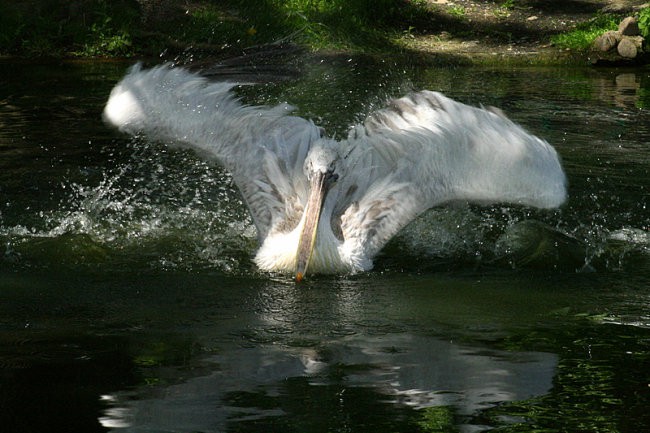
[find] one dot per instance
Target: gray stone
(607, 40)
(629, 27)
(627, 48)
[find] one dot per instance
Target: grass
(457, 11)
(582, 38)
(53, 27)
(338, 24)
(110, 28)
(122, 27)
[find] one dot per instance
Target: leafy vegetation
(116, 28)
(51, 27)
(644, 22)
(370, 24)
(457, 11)
(149, 27)
(585, 33)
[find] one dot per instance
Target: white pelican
(326, 206)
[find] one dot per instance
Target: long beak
(313, 209)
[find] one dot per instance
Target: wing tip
(123, 109)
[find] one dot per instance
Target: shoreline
(440, 32)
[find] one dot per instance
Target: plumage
(422, 150)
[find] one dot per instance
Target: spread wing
(263, 147)
(426, 149)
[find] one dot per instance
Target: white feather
(174, 105)
(421, 151)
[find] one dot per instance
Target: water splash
(174, 211)
(152, 208)
(169, 211)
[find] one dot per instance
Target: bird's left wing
(263, 147)
(426, 149)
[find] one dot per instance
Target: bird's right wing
(426, 149)
(263, 147)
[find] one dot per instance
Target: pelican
(327, 206)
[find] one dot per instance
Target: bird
(327, 206)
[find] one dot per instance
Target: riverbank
(430, 31)
(522, 32)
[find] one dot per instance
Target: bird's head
(322, 159)
(321, 170)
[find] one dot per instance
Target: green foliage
(118, 28)
(104, 40)
(585, 33)
(457, 11)
(58, 27)
(644, 22)
(503, 11)
(349, 23)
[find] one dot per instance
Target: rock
(607, 40)
(629, 27)
(627, 48)
(638, 41)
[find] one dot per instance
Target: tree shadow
(564, 6)
(377, 26)
(369, 26)
(514, 24)
(261, 29)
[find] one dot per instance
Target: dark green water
(128, 300)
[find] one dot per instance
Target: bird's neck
(279, 249)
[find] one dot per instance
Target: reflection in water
(125, 273)
(624, 90)
(416, 371)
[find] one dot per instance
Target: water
(128, 301)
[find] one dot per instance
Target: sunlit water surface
(128, 300)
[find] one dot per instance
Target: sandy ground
(516, 30)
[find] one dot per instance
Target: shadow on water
(127, 291)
